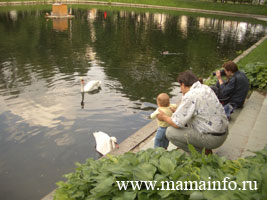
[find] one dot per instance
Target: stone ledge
(136, 139)
(242, 129)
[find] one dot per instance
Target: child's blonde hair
(163, 100)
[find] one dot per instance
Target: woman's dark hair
(230, 66)
(187, 78)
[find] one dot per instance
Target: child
(163, 101)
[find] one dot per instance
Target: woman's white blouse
(201, 110)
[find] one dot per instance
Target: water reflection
(227, 28)
(91, 14)
(160, 20)
(13, 15)
(40, 110)
(60, 24)
(183, 25)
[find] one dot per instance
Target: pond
(44, 129)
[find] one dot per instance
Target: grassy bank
(255, 66)
(257, 55)
(249, 9)
(229, 7)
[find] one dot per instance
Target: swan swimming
(90, 86)
(105, 143)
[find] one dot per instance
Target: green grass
(26, 8)
(250, 9)
(255, 67)
(259, 54)
(228, 7)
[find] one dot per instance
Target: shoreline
(117, 4)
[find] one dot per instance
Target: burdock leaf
(196, 195)
(166, 165)
(125, 196)
(103, 187)
(144, 172)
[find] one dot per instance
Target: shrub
(257, 75)
(96, 179)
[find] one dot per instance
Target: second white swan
(105, 143)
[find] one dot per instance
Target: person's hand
(218, 74)
(161, 115)
(173, 109)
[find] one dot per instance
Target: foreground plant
(98, 179)
(257, 75)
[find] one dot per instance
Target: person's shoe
(208, 151)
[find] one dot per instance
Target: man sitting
(234, 90)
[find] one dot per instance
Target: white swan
(90, 86)
(104, 143)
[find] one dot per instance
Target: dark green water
(44, 129)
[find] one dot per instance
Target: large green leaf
(166, 166)
(122, 170)
(143, 194)
(125, 196)
(130, 158)
(205, 173)
(144, 171)
(166, 193)
(177, 173)
(103, 187)
(144, 156)
(196, 195)
(219, 195)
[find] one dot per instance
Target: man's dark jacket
(236, 88)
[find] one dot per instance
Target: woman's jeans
(160, 139)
